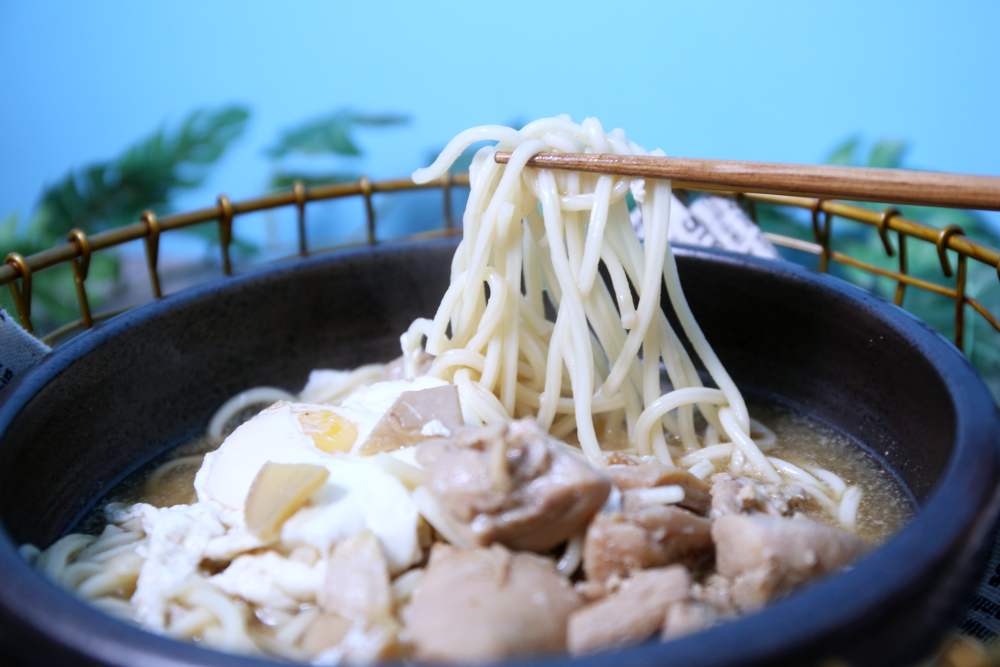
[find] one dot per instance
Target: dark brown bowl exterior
(115, 397)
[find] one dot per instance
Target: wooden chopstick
(898, 186)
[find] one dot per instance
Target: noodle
(659, 495)
(702, 469)
(571, 557)
(345, 383)
(162, 471)
(240, 402)
(438, 520)
(848, 511)
(530, 235)
(831, 479)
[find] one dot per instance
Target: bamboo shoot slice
(278, 491)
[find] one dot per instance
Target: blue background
(747, 80)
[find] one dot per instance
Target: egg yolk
(329, 431)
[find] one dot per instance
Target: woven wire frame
(17, 271)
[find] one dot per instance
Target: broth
(885, 506)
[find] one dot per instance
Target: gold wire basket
(17, 271)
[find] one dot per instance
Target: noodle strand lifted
(532, 235)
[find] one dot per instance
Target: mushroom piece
(414, 417)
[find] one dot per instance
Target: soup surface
(800, 440)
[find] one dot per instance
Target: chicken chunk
(765, 556)
(357, 580)
(414, 417)
(357, 625)
(632, 614)
(715, 591)
(324, 632)
(513, 484)
(476, 605)
(619, 543)
(687, 617)
(331, 639)
(737, 495)
(629, 472)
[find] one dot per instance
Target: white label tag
(19, 350)
(730, 227)
(713, 222)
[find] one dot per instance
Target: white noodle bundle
(533, 234)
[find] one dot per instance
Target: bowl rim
(964, 496)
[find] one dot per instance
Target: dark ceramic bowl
(110, 400)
